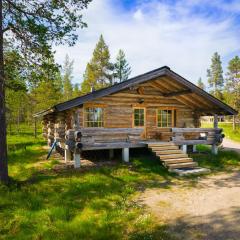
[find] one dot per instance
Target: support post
(125, 155)
(194, 148)
(77, 160)
(214, 149)
(111, 154)
(215, 121)
(184, 148)
(67, 154)
(215, 125)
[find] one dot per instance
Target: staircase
(171, 156)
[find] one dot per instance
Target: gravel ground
(209, 210)
(231, 145)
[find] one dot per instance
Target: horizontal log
(194, 142)
(116, 145)
(196, 130)
(177, 93)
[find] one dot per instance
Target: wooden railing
(192, 136)
(99, 138)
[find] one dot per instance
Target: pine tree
(200, 84)
(49, 86)
(98, 73)
(76, 90)
(233, 82)
(67, 78)
(121, 67)
(215, 76)
(33, 26)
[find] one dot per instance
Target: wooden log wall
(118, 111)
(45, 128)
(59, 127)
(50, 129)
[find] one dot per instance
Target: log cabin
(159, 110)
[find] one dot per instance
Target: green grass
(99, 203)
(227, 129)
(224, 161)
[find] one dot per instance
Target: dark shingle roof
(163, 71)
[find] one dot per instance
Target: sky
(180, 34)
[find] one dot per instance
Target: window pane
(138, 117)
(136, 122)
(93, 117)
(164, 118)
(164, 124)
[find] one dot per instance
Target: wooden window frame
(85, 123)
(173, 110)
(133, 117)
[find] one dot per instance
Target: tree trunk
(3, 134)
(35, 128)
(234, 122)
(18, 121)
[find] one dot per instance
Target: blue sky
(182, 34)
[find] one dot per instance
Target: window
(93, 117)
(139, 118)
(165, 118)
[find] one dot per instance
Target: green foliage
(215, 76)
(97, 204)
(233, 82)
(32, 27)
(35, 25)
(76, 90)
(122, 70)
(201, 84)
(67, 78)
(42, 203)
(47, 91)
(15, 73)
(98, 73)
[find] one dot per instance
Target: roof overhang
(44, 112)
(165, 71)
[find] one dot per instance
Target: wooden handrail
(196, 130)
(211, 136)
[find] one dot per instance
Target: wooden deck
(169, 152)
(117, 138)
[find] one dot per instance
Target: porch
(87, 139)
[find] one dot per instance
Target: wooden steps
(171, 156)
(164, 148)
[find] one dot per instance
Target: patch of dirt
(86, 164)
(210, 210)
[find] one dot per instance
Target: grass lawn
(227, 129)
(100, 203)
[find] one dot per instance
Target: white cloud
(152, 35)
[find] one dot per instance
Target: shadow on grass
(94, 204)
(76, 205)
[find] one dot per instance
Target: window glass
(139, 117)
(93, 117)
(164, 118)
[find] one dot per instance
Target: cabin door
(139, 119)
